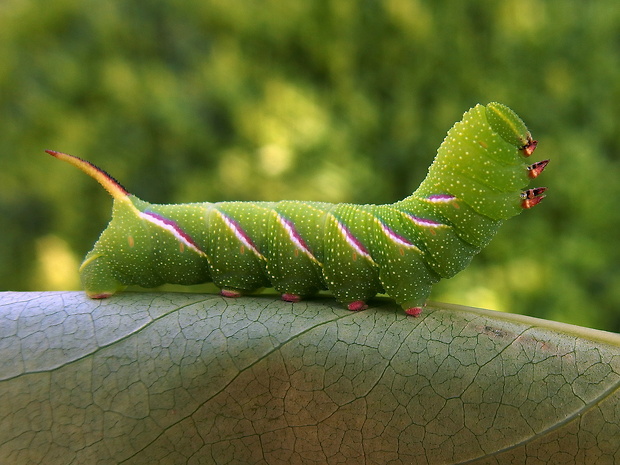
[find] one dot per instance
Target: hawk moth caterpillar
(477, 180)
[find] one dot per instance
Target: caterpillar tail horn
(110, 184)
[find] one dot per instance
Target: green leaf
(190, 378)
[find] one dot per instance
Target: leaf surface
(190, 378)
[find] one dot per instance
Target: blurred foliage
(333, 100)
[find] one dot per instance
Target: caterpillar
(477, 180)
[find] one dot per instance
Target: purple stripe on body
(240, 234)
(440, 198)
(424, 222)
(173, 228)
(397, 238)
(295, 237)
(352, 240)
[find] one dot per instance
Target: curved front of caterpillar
(476, 181)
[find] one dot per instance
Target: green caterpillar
(356, 251)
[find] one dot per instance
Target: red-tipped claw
(535, 169)
(532, 197)
(531, 193)
(357, 306)
(528, 149)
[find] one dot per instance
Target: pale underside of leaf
(190, 378)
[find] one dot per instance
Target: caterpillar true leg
(537, 168)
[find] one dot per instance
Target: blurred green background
(332, 100)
